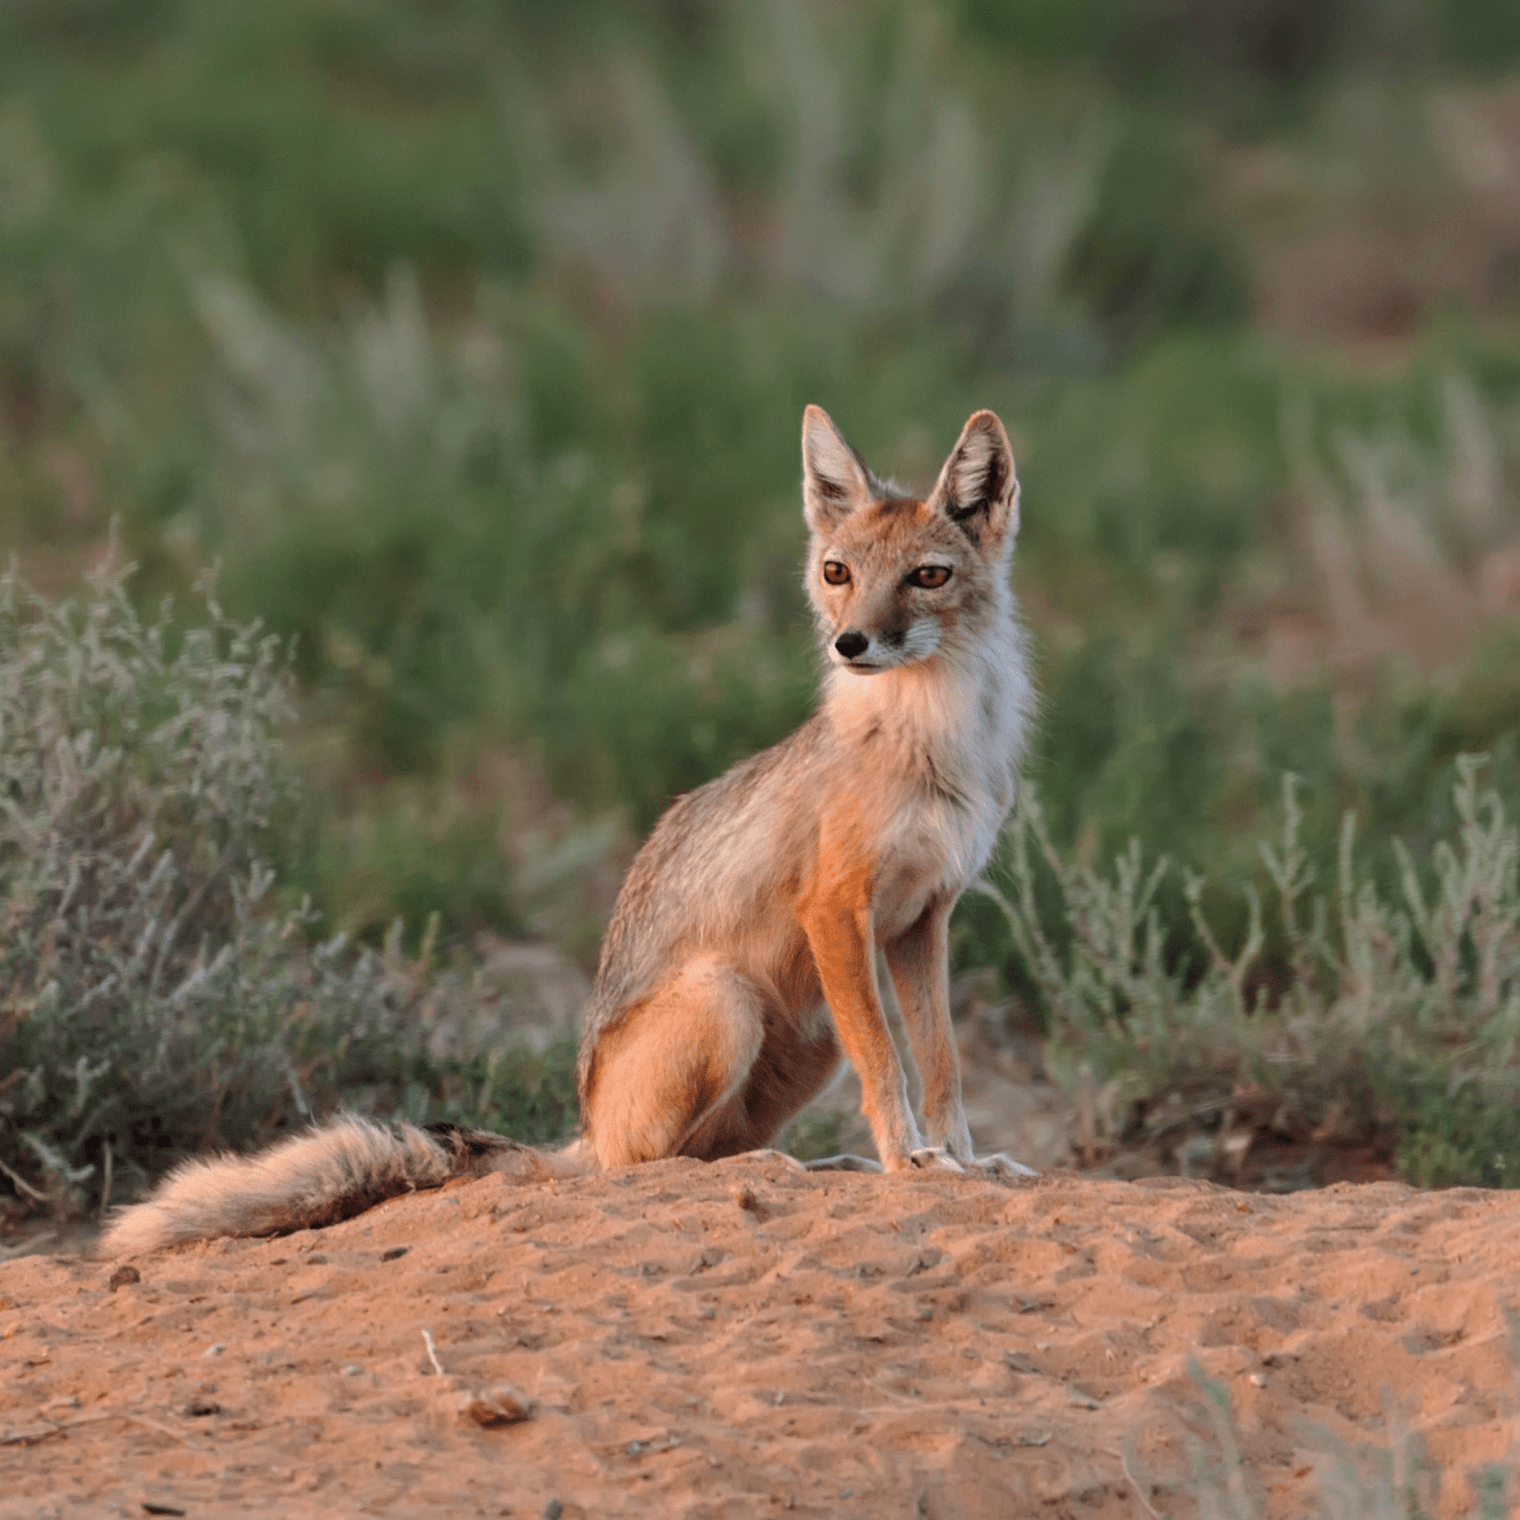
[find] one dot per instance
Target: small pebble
(395, 1253)
(499, 1405)
(124, 1274)
(553, 1510)
(215, 1350)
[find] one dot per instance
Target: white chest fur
(935, 747)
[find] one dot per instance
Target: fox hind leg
(794, 1065)
(674, 1064)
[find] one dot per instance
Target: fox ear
(834, 481)
(978, 489)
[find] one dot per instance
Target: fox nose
(852, 643)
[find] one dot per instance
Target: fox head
(894, 580)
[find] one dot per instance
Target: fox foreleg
(839, 935)
(919, 961)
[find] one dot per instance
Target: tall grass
(1378, 1016)
(1395, 1481)
(152, 999)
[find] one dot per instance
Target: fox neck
(958, 717)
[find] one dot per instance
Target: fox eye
(835, 573)
(930, 577)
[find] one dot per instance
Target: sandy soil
(745, 1339)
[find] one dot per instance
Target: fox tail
(330, 1173)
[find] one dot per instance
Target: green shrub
(137, 784)
(152, 1002)
(1388, 1014)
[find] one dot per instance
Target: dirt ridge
(702, 1340)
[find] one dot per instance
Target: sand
(745, 1339)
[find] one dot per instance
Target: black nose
(851, 644)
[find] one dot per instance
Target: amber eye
(930, 577)
(836, 574)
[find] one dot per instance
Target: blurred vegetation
(471, 341)
(1391, 1478)
(1388, 1016)
(152, 1004)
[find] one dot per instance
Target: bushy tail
(332, 1173)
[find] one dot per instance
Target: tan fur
(315, 1179)
(779, 882)
(741, 955)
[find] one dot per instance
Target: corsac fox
(741, 955)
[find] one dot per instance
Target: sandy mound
(743, 1339)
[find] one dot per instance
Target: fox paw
(843, 1164)
(932, 1159)
(999, 1165)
